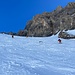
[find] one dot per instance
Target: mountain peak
(71, 5)
(59, 8)
(49, 23)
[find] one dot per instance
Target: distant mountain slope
(49, 23)
(36, 55)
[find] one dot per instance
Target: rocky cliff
(49, 23)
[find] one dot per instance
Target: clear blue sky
(14, 14)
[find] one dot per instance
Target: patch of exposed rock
(65, 35)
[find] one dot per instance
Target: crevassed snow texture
(36, 56)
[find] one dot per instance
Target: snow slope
(36, 56)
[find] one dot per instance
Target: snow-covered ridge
(71, 32)
(36, 56)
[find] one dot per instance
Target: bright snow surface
(71, 32)
(36, 56)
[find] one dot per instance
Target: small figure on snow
(12, 36)
(59, 40)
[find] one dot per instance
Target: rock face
(41, 25)
(49, 23)
(65, 35)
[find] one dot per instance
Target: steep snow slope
(36, 56)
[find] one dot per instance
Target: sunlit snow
(71, 32)
(36, 56)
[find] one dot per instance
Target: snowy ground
(36, 56)
(71, 32)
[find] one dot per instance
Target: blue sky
(14, 14)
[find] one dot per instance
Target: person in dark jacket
(59, 40)
(12, 36)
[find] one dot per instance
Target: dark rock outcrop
(65, 35)
(49, 23)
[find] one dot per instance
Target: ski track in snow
(36, 56)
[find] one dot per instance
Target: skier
(59, 40)
(12, 36)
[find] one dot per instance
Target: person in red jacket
(59, 40)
